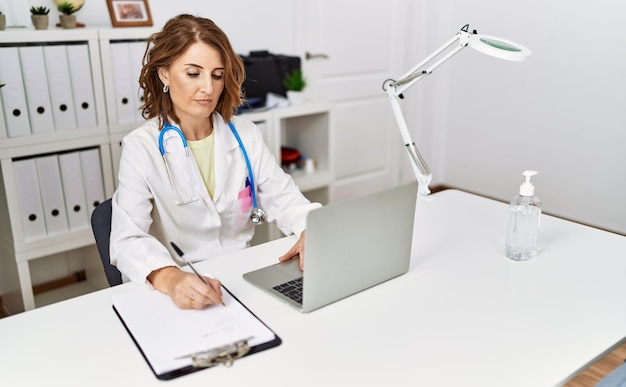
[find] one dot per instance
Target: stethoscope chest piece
(257, 217)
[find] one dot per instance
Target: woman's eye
(193, 75)
(218, 76)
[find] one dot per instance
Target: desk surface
(463, 315)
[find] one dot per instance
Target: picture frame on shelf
(130, 13)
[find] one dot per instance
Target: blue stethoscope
(256, 217)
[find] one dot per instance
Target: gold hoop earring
(166, 88)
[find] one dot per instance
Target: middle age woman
(192, 81)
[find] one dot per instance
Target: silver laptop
(350, 246)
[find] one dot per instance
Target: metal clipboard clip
(225, 355)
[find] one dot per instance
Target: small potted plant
(295, 83)
(67, 16)
(3, 21)
(39, 17)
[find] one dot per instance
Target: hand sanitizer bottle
(524, 219)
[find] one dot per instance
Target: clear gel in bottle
(524, 218)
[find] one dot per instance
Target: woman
(192, 80)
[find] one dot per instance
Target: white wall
(481, 121)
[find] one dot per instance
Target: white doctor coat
(146, 217)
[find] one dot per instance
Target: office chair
(101, 227)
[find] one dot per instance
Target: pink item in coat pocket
(245, 199)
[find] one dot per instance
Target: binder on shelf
(137, 50)
(73, 190)
(13, 97)
(211, 336)
(92, 178)
(30, 198)
(125, 87)
(51, 189)
(82, 85)
(36, 87)
(58, 72)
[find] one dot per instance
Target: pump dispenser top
(527, 188)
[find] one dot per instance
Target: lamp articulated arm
(500, 48)
(395, 88)
(420, 168)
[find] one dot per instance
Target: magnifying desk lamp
(490, 45)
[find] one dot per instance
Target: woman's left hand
(295, 250)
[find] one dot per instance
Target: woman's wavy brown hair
(166, 46)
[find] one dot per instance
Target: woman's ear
(163, 75)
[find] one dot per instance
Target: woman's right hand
(186, 289)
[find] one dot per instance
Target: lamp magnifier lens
(500, 45)
(499, 48)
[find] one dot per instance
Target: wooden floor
(600, 369)
(587, 378)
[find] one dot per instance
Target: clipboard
(176, 342)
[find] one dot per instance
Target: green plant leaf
(295, 81)
(66, 8)
(39, 10)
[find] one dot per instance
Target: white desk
(463, 315)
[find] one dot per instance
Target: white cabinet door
(350, 47)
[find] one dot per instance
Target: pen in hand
(182, 256)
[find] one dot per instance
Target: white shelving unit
(17, 249)
(305, 127)
(112, 68)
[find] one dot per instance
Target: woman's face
(196, 82)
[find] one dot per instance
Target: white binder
(73, 190)
(58, 72)
(82, 85)
(13, 97)
(92, 178)
(137, 49)
(51, 190)
(36, 87)
(125, 86)
(30, 199)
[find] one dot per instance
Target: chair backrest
(101, 227)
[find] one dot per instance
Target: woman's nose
(207, 85)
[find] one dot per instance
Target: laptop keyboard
(291, 289)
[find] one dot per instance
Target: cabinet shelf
(308, 181)
(124, 128)
(53, 244)
(23, 36)
(52, 142)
